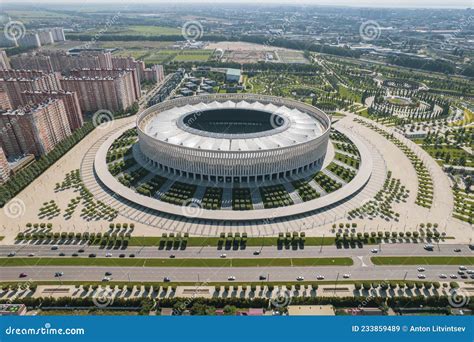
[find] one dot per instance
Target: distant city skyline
(350, 3)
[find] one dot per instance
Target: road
(214, 274)
(399, 249)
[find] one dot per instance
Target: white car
(320, 277)
(106, 279)
(470, 271)
(31, 254)
(346, 275)
(11, 254)
(462, 268)
(421, 276)
(223, 255)
(300, 278)
(453, 276)
(421, 269)
(443, 276)
(374, 250)
(231, 278)
(108, 255)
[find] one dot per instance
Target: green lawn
(436, 260)
(156, 262)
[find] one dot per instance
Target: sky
(353, 3)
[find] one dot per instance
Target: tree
(230, 310)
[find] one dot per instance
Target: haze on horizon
(351, 3)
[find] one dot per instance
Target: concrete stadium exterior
(296, 141)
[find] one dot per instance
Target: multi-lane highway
(362, 268)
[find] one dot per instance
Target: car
(471, 276)
(223, 255)
(453, 276)
(108, 255)
(172, 256)
(443, 276)
(75, 254)
(256, 253)
(428, 247)
(132, 255)
(166, 279)
(346, 275)
(421, 276)
(81, 250)
(457, 250)
(58, 274)
(421, 269)
(122, 256)
(23, 275)
(374, 250)
(470, 271)
(62, 254)
(461, 272)
(231, 278)
(11, 254)
(320, 277)
(92, 255)
(463, 268)
(108, 273)
(31, 254)
(54, 247)
(106, 279)
(464, 276)
(262, 277)
(300, 278)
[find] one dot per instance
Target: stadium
(227, 153)
(233, 138)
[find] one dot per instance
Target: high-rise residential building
(15, 82)
(70, 100)
(29, 40)
(155, 74)
(109, 89)
(4, 63)
(58, 34)
(4, 167)
(4, 100)
(31, 62)
(131, 76)
(130, 63)
(45, 36)
(64, 63)
(34, 130)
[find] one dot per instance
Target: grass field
(448, 260)
(156, 262)
(143, 30)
